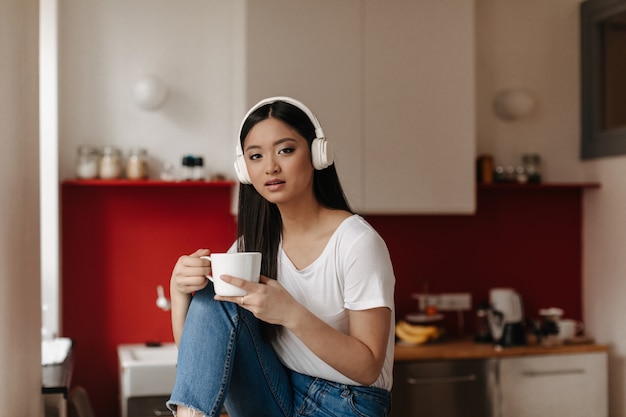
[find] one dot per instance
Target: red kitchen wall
(524, 237)
(120, 240)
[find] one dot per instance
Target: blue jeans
(222, 360)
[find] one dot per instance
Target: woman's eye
(254, 156)
(285, 150)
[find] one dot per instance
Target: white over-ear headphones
(321, 150)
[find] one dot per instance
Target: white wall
(20, 313)
(604, 283)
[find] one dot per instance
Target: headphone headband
(319, 133)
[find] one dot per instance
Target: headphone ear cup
(321, 153)
(242, 171)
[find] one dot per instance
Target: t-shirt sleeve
(369, 278)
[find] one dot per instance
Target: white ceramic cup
(569, 328)
(244, 265)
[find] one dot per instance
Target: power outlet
(454, 302)
(444, 301)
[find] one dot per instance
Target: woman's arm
(359, 355)
(189, 275)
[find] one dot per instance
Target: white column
(49, 167)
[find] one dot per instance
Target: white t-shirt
(354, 272)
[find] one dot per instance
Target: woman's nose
(272, 166)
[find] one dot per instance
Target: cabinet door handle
(442, 380)
(553, 373)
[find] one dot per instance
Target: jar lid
(137, 151)
(531, 157)
(110, 150)
(87, 149)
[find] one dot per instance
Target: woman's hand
(190, 272)
(267, 299)
(189, 275)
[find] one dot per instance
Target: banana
(415, 333)
(417, 329)
(410, 338)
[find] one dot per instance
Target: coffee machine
(506, 317)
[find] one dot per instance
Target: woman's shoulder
(358, 241)
(354, 226)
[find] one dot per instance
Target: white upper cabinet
(419, 106)
(392, 83)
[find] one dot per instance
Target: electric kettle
(506, 317)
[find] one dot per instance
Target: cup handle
(580, 327)
(209, 277)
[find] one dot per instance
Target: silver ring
(242, 301)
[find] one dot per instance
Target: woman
(317, 339)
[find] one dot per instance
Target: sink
(164, 354)
(147, 371)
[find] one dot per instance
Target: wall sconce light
(513, 104)
(150, 93)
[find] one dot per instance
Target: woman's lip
(274, 184)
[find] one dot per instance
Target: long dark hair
(259, 221)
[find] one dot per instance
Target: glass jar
(532, 167)
(86, 167)
(137, 164)
(168, 172)
(110, 163)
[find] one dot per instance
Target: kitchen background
(198, 51)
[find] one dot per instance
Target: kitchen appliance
(506, 317)
(482, 330)
(445, 388)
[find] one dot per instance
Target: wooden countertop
(468, 349)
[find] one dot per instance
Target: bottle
(198, 173)
(188, 164)
(485, 169)
(137, 164)
(87, 162)
(110, 163)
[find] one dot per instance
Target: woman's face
(279, 162)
